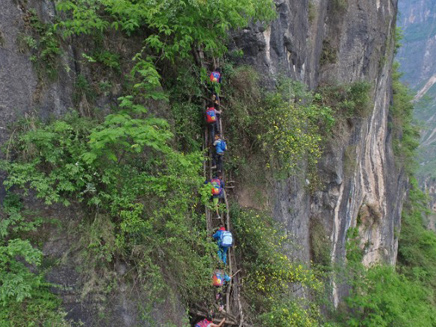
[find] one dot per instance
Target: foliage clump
(175, 27)
(122, 168)
(285, 125)
(270, 276)
(404, 130)
(25, 298)
(349, 100)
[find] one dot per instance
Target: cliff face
(316, 42)
(329, 42)
(21, 90)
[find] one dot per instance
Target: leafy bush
(176, 27)
(290, 133)
(382, 297)
(25, 299)
(123, 170)
(348, 101)
(286, 125)
(269, 275)
(405, 132)
(417, 245)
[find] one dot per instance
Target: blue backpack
(222, 146)
(226, 239)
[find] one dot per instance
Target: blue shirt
(217, 145)
(217, 236)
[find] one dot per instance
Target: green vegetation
(328, 54)
(383, 296)
(177, 26)
(312, 12)
(340, 6)
(270, 276)
(284, 126)
(349, 100)
(43, 43)
(417, 245)
(125, 173)
(406, 134)
(2, 39)
(320, 244)
(26, 300)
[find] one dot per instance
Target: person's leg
(219, 164)
(224, 255)
(220, 299)
(214, 130)
(214, 159)
(217, 126)
(216, 206)
(220, 254)
(217, 101)
(211, 128)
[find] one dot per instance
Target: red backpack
(215, 77)
(218, 278)
(216, 186)
(203, 323)
(210, 115)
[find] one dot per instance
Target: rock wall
(21, 91)
(330, 42)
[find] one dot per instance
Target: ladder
(233, 310)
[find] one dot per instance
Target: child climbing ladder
(228, 295)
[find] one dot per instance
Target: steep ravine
(316, 42)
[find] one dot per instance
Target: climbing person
(215, 83)
(212, 120)
(217, 192)
(208, 322)
(224, 241)
(220, 147)
(220, 280)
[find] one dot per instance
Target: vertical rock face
(331, 42)
(21, 89)
(21, 92)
